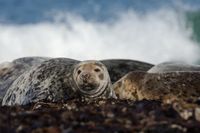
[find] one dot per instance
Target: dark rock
(96, 116)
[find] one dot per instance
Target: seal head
(92, 79)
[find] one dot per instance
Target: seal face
(92, 79)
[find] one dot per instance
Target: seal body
(10, 71)
(49, 81)
(171, 85)
(174, 67)
(117, 68)
(127, 87)
(60, 79)
(159, 86)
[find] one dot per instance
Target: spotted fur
(53, 81)
(49, 81)
(10, 71)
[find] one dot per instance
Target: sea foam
(154, 37)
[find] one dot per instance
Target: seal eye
(79, 71)
(97, 70)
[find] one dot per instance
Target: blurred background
(148, 30)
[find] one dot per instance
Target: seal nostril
(88, 75)
(85, 76)
(84, 81)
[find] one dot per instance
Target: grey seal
(60, 79)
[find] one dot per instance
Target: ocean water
(152, 31)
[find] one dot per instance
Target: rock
(197, 114)
(174, 67)
(98, 116)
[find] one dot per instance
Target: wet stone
(98, 116)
